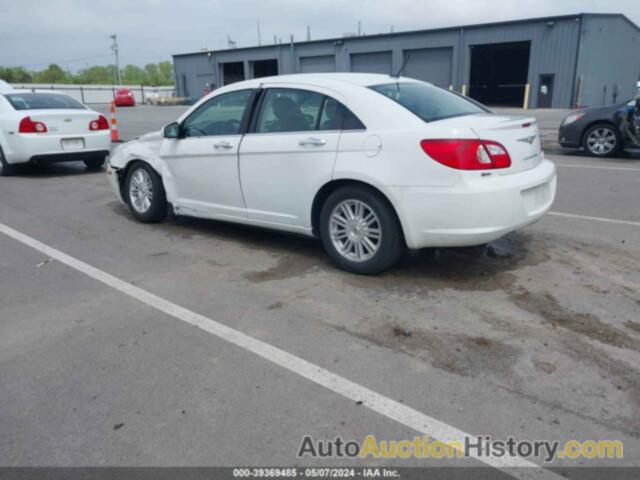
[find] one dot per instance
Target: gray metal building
(553, 62)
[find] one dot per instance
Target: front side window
(289, 110)
(222, 115)
(43, 101)
(428, 102)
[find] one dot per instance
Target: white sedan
(42, 127)
(370, 164)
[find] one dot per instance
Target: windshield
(428, 102)
(42, 101)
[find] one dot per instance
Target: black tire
(6, 169)
(95, 163)
(602, 151)
(157, 208)
(390, 244)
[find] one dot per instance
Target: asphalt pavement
(536, 336)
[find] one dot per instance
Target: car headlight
(572, 118)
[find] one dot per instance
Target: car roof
(328, 79)
(30, 90)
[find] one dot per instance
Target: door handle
(223, 144)
(314, 142)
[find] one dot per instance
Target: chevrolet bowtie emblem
(528, 140)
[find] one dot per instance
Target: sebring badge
(528, 140)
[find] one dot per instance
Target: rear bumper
(475, 211)
(24, 148)
(125, 102)
(68, 157)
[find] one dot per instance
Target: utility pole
(359, 28)
(114, 47)
(259, 39)
(308, 33)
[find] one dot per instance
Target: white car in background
(5, 87)
(370, 164)
(152, 97)
(43, 127)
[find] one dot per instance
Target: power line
(62, 61)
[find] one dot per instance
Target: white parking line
(374, 401)
(597, 219)
(599, 167)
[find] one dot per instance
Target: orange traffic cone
(115, 137)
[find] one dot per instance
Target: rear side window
(336, 116)
(428, 102)
(296, 110)
(42, 101)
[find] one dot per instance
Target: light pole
(114, 47)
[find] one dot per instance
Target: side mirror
(172, 130)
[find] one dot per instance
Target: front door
(545, 92)
(203, 163)
(288, 157)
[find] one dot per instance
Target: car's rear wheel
(6, 169)
(145, 194)
(94, 163)
(602, 140)
(360, 230)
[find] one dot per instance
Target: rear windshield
(428, 102)
(42, 101)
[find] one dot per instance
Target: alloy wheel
(355, 230)
(140, 190)
(601, 141)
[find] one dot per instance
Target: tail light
(29, 126)
(467, 154)
(100, 124)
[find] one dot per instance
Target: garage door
(378, 62)
(430, 64)
(318, 64)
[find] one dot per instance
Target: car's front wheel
(602, 140)
(360, 230)
(144, 193)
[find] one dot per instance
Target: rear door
(545, 93)
(287, 156)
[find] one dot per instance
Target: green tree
(165, 70)
(153, 73)
(15, 75)
(105, 75)
(133, 75)
(52, 74)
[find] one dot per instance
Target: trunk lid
(519, 135)
(63, 122)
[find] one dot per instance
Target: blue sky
(75, 33)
